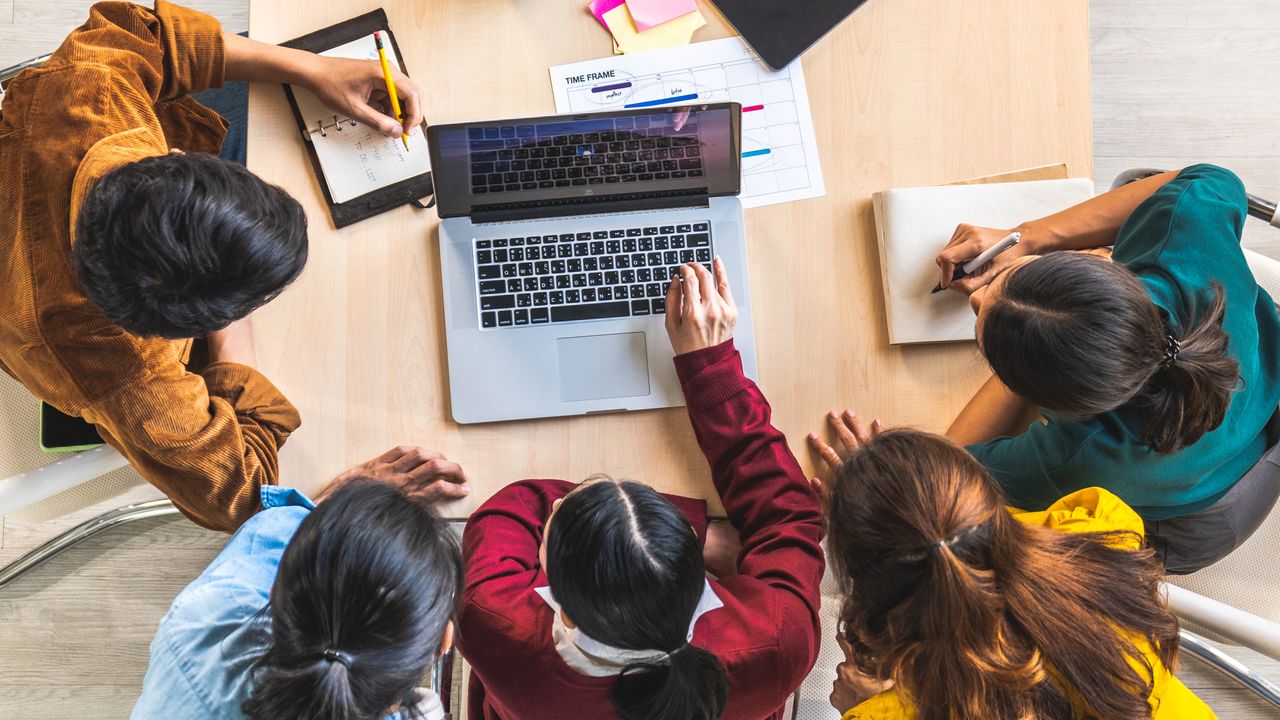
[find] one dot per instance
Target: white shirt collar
(596, 659)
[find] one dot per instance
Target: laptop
(559, 236)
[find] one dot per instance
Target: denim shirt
(217, 628)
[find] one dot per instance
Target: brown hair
(1079, 335)
(975, 614)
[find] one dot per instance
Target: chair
(1233, 601)
(35, 489)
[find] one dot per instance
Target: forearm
(995, 411)
(255, 61)
(1093, 223)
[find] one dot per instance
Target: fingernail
(876, 422)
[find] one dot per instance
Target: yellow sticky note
(675, 32)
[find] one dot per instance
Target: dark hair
(1079, 335)
(359, 606)
(976, 615)
(181, 245)
(626, 568)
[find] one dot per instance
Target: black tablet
(779, 30)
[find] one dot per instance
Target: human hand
(700, 309)
(417, 471)
(967, 243)
(851, 688)
(350, 87)
(233, 343)
(720, 554)
(850, 435)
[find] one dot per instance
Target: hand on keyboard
(701, 312)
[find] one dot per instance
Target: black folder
(379, 201)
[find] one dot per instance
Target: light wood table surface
(906, 92)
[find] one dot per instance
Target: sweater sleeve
(209, 441)
(163, 53)
(763, 489)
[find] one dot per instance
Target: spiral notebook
(361, 171)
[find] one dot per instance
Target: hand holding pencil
(357, 89)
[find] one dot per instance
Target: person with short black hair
(593, 600)
(123, 238)
(333, 610)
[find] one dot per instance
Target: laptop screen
(650, 151)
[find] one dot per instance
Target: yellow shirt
(1088, 510)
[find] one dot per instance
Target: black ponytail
(358, 609)
(1189, 393)
(1079, 335)
(626, 568)
(691, 683)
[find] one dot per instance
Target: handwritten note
(651, 13)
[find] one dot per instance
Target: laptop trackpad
(596, 367)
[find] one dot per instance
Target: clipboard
(403, 192)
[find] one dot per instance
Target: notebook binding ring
(337, 124)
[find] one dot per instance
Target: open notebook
(356, 160)
(914, 224)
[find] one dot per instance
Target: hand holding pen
(961, 264)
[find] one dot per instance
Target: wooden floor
(1175, 82)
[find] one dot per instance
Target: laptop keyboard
(534, 157)
(617, 273)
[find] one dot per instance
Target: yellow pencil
(391, 89)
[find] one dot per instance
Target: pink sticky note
(600, 7)
(648, 13)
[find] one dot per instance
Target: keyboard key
(539, 315)
(616, 234)
(562, 282)
(659, 305)
(588, 295)
(492, 287)
(667, 229)
(699, 240)
(594, 311)
(651, 231)
(574, 265)
(684, 228)
(509, 270)
(525, 269)
(529, 284)
(699, 227)
(557, 297)
(644, 275)
(524, 300)
(504, 318)
(572, 296)
(704, 255)
(514, 285)
(604, 293)
(633, 232)
(539, 299)
(488, 272)
(640, 307)
(488, 319)
(579, 280)
(522, 317)
(654, 290)
(500, 256)
(497, 302)
(516, 254)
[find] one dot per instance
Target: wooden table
(906, 92)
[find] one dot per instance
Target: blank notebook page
(914, 224)
(357, 159)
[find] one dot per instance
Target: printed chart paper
(779, 152)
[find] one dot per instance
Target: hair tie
(677, 651)
(1171, 349)
(338, 656)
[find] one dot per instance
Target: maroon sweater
(766, 635)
